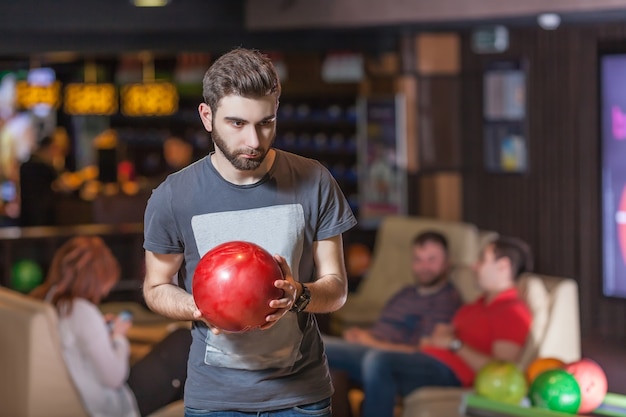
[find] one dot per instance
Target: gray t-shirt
(296, 203)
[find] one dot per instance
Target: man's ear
(206, 115)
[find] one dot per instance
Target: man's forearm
(475, 359)
(328, 294)
(170, 301)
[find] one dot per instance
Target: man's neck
(491, 295)
(431, 289)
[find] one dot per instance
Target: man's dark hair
(242, 72)
(431, 236)
(517, 251)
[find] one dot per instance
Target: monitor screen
(613, 140)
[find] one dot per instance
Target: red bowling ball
(233, 285)
(593, 383)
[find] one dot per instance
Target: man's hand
(442, 335)
(197, 315)
(116, 325)
(291, 290)
(358, 335)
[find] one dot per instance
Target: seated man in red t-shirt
(493, 327)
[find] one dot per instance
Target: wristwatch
(301, 302)
(455, 345)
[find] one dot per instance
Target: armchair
(35, 380)
(555, 332)
(553, 302)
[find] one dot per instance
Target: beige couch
(552, 300)
(555, 333)
(35, 381)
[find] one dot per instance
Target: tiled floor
(611, 356)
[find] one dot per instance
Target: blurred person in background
(494, 327)
(409, 315)
(38, 181)
(95, 348)
(177, 152)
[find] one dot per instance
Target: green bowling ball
(501, 381)
(25, 275)
(556, 390)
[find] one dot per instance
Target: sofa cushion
(534, 292)
(464, 279)
(35, 380)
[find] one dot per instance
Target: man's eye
(237, 123)
(267, 122)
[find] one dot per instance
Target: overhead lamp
(549, 21)
(150, 3)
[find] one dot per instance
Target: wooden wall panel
(437, 54)
(555, 206)
(439, 196)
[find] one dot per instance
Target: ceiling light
(150, 3)
(549, 21)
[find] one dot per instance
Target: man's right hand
(357, 335)
(197, 315)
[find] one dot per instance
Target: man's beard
(242, 164)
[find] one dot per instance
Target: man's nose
(252, 137)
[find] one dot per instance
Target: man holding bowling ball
(245, 190)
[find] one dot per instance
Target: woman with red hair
(95, 348)
(82, 273)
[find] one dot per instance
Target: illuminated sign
(91, 98)
(29, 95)
(149, 99)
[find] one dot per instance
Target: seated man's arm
(503, 350)
(506, 346)
(393, 330)
(366, 338)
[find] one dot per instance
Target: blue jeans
(384, 375)
(318, 409)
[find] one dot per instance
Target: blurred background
(508, 115)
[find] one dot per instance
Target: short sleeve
(160, 232)
(336, 215)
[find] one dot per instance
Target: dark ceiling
(98, 27)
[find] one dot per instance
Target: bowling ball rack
(614, 405)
